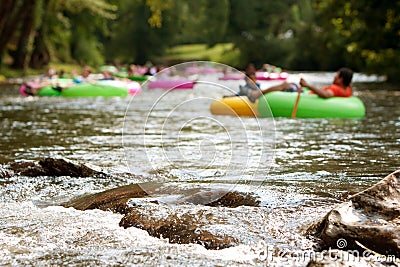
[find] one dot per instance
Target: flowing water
(299, 169)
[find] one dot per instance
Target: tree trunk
(14, 15)
(21, 53)
(40, 56)
(5, 10)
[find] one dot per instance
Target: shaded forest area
(297, 35)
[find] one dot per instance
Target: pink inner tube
(232, 76)
(171, 84)
(193, 70)
(134, 88)
(266, 76)
(209, 70)
(22, 90)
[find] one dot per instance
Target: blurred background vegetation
(296, 35)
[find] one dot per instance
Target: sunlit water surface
(298, 168)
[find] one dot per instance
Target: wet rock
(4, 173)
(53, 167)
(182, 229)
(218, 198)
(235, 199)
(114, 200)
(370, 220)
(26, 168)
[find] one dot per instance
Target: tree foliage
(302, 35)
(137, 36)
(34, 32)
(366, 33)
(260, 30)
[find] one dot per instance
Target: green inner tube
(139, 78)
(281, 104)
(48, 91)
(85, 90)
(88, 89)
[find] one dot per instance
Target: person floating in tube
(340, 87)
(252, 88)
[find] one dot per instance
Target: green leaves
(302, 34)
(98, 8)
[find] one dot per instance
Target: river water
(299, 169)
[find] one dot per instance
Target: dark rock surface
(181, 229)
(235, 199)
(177, 228)
(370, 219)
(4, 173)
(53, 167)
(114, 200)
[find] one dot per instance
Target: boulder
(53, 167)
(4, 173)
(235, 199)
(114, 200)
(183, 229)
(369, 221)
(218, 198)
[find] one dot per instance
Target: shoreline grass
(224, 53)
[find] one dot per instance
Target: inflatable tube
(107, 88)
(310, 106)
(29, 88)
(22, 90)
(132, 87)
(48, 91)
(209, 70)
(93, 90)
(236, 105)
(138, 78)
(232, 76)
(171, 84)
(193, 70)
(280, 104)
(271, 76)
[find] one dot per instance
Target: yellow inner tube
(237, 105)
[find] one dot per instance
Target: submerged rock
(114, 200)
(4, 173)
(369, 221)
(53, 167)
(183, 229)
(235, 199)
(218, 198)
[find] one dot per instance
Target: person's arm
(319, 92)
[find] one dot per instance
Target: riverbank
(224, 53)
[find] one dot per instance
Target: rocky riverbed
(365, 228)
